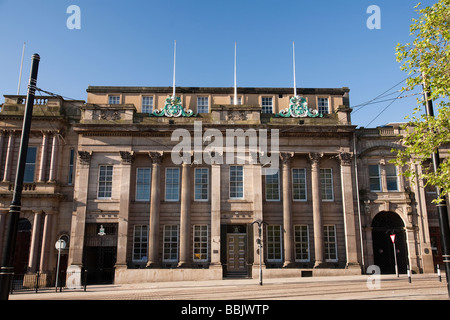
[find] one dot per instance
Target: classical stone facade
(324, 190)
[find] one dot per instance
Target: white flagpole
(20, 74)
(293, 58)
(235, 82)
(174, 66)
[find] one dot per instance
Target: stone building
(145, 187)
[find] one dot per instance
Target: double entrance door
(236, 249)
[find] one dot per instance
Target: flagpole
(20, 74)
(235, 82)
(293, 58)
(174, 66)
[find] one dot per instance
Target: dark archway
(383, 225)
(22, 249)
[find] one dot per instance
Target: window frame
(330, 244)
(321, 108)
(177, 186)
(112, 99)
(299, 185)
(150, 106)
(302, 244)
(236, 184)
(106, 182)
(141, 245)
(276, 190)
(202, 98)
(136, 198)
(324, 185)
(274, 242)
(202, 185)
(30, 167)
(378, 177)
(202, 244)
(265, 106)
(171, 244)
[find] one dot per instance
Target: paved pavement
(363, 287)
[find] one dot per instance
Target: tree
(427, 61)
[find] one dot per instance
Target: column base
(289, 264)
(153, 265)
(182, 264)
(352, 265)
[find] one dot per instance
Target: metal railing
(45, 281)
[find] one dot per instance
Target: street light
(259, 242)
(59, 245)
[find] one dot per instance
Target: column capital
(345, 158)
(156, 156)
(127, 157)
(315, 157)
(85, 157)
(286, 157)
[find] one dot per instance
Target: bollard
(439, 273)
(409, 274)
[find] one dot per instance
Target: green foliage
(427, 61)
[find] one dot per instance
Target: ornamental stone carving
(85, 157)
(345, 158)
(127, 157)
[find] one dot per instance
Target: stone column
(42, 166)
(124, 209)
(2, 142)
(9, 157)
(317, 214)
(185, 213)
(215, 215)
(53, 159)
(155, 198)
(79, 216)
(288, 227)
(348, 209)
(47, 244)
(34, 246)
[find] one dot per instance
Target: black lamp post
(259, 242)
(6, 267)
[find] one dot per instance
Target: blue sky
(130, 43)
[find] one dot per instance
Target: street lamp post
(6, 266)
(259, 242)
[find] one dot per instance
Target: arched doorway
(22, 249)
(383, 225)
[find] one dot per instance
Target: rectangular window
(143, 184)
(322, 105)
(202, 105)
(329, 233)
(71, 162)
(140, 243)
(30, 165)
(267, 105)
(200, 243)
(105, 182)
(391, 177)
(272, 186)
(114, 99)
(239, 100)
(201, 184)
(147, 104)
(236, 182)
(301, 241)
(374, 178)
(172, 184)
(326, 184)
(274, 243)
(299, 184)
(170, 243)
